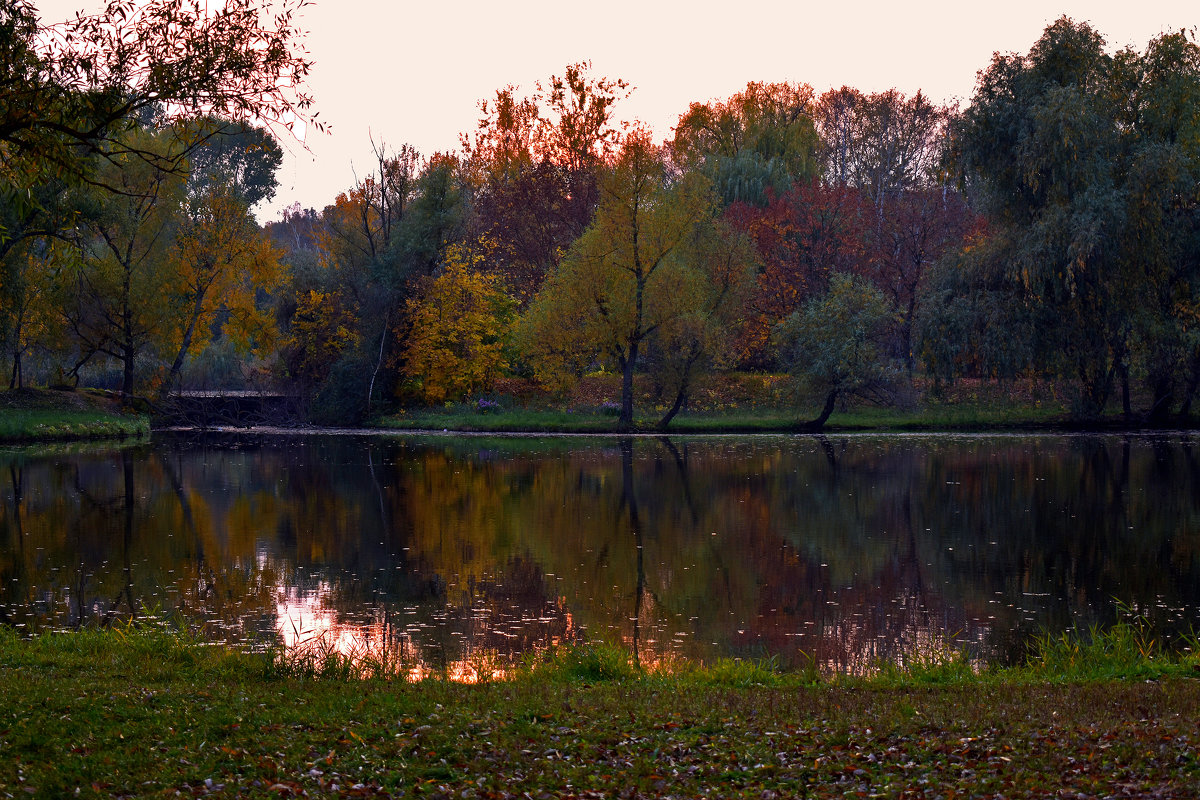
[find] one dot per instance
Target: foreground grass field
(28, 415)
(134, 714)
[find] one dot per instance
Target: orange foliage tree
(534, 162)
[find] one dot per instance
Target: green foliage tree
(836, 343)
(624, 278)
(757, 142)
(1088, 166)
(239, 158)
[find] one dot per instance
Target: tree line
(861, 241)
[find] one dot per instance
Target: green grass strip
(153, 712)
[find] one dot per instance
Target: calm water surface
(448, 553)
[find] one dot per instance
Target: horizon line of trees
(857, 241)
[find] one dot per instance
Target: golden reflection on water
(312, 633)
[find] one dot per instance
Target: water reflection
(457, 556)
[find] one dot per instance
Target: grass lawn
(741, 403)
(125, 713)
(29, 415)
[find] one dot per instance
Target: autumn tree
(34, 237)
(30, 318)
(622, 280)
(753, 145)
(456, 328)
(220, 262)
(122, 291)
(803, 237)
(534, 163)
(322, 329)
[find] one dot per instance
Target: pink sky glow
(414, 72)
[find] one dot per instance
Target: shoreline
(32, 416)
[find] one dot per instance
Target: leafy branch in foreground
(70, 90)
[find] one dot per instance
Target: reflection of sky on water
(396, 641)
(451, 555)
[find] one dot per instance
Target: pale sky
(414, 72)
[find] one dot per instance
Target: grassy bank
(150, 713)
(743, 403)
(930, 417)
(32, 415)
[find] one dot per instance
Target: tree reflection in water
(453, 554)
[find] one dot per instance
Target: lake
(448, 553)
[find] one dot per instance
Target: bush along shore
(152, 712)
(33, 415)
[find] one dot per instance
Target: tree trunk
(625, 422)
(681, 396)
(1193, 384)
(127, 356)
(186, 344)
(379, 360)
(1126, 402)
(680, 399)
(906, 336)
(1164, 398)
(1094, 390)
(819, 423)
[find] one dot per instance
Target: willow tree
(752, 145)
(1088, 167)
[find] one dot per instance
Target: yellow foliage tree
(457, 328)
(30, 306)
(222, 259)
(626, 277)
(322, 329)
